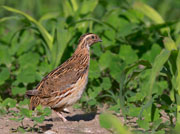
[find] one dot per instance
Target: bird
(65, 85)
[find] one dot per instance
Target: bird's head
(89, 39)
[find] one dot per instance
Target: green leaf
(105, 60)
(94, 71)
(24, 102)
(4, 75)
(29, 59)
(21, 130)
(143, 124)
(97, 50)
(159, 87)
(48, 16)
(47, 111)
(116, 67)
(39, 119)
(133, 15)
(5, 55)
(8, 102)
(109, 121)
(26, 112)
(7, 18)
(133, 111)
(127, 54)
(150, 13)
(88, 6)
(63, 37)
(18, 90)
(178, 83)
(160, 60)
(169, 44)
(46, 36)
(19, 119)
(106, 84)
(27, 75)
(178, 72)
(74, 5)
(94, 92)
(151, 54)
(125, 28)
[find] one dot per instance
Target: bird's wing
(61, 79)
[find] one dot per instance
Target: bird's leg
(60, 116)
(65, 110)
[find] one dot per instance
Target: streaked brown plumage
(64, 86)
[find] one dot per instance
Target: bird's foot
(61, 116)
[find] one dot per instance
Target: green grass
(136, 69)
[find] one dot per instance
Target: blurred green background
(136, 68)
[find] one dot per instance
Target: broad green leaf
(160, 60)
(92, 102)
(63, 37)
(4, 75)
(133, 15)
(105, 60)
(114, 20)
(18, 90)
(109, 121)
(96, 50)
(21, 130)
(88, 6)
(26, 112)
(151, 54)
(24, 102)
(5, 57)
(125, 28)
(110, 34)
(94, 71)
(39, 119)
(159, 87)
(67, 8)
(127, 54)
(29, 59)
(133, 110)
(143, 124)
(9, 102)
(116, 67)
(106, 83)
(94, 92)
(27, 75)
(46, 36)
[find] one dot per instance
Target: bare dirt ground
(78, 123)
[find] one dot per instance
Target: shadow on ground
(84, 117)
(77, 117)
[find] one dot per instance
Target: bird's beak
(99, 40)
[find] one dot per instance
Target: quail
(64, 86)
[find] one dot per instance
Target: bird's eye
(92, 37)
